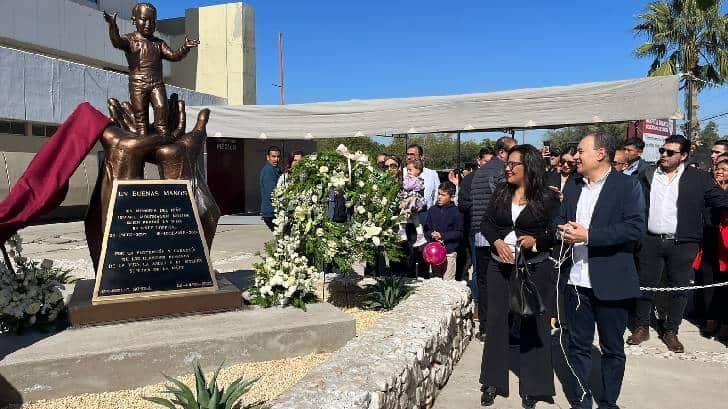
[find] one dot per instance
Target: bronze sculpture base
(82, 313)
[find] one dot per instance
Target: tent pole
(458, 169)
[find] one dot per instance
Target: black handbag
(525, 299)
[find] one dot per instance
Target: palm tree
(686, 37)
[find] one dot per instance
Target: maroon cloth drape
(44, 184)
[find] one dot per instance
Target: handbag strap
(521, 261)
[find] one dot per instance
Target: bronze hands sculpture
(129, 144)
(176, 156)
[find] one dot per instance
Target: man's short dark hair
(636, 142)
(419, 148)
(504, 143)
(603, 140)
(470, 166)
(447, 187)
(680, 140)
(272, 148)
(485, 151)
(722, 142)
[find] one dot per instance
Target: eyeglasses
(668, 152)
(513, 165)
(568, 162)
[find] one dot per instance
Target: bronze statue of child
(144, 54)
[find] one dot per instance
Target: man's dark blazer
(696, 191)
(642, 167)
(617, 225)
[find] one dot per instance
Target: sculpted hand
(504, 252)
(191, 43)
(111, 20)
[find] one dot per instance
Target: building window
(44, 130)
(12, 127)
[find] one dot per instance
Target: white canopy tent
(599, 102)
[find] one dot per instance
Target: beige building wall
(224, 62)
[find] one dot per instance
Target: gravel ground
(275, 378)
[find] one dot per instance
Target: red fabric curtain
(44, 184)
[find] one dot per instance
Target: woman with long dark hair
(519, 218)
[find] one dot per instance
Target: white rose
(375, 188)
(314, 198)
(361, 209)
(319, 232)
(265, 290)
(342, 149)
(384, 201)
(246, 295)
(376, 241)
(323, 169)
(361, 183)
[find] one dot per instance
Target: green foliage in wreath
(306, 238)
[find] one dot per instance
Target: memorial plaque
(153, 243)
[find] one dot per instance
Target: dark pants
(676, 260)
(483, 260)
(534, 368)
(463, 262)
(718, 306)
(269, 222)
(583, 311)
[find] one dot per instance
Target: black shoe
(488, 396)
(528, 402)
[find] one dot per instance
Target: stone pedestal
(82, 312)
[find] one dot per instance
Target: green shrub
(209, 396)
(387, 293)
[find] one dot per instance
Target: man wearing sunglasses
(675, 196)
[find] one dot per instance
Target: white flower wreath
(306, 238)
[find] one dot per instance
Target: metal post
(458, 169)
(281, 83)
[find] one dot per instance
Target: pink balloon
(434, 253)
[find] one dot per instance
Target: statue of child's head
(144, 17)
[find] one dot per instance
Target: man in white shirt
(602, 215)
(432, 181)
(676, 196)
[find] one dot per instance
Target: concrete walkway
(654, 379)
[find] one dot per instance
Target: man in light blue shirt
(432, 181)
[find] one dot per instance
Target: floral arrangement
(306, 238)
(31, 295)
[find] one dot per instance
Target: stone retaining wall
(402, 362)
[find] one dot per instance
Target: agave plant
(387, 293)
(209, 396)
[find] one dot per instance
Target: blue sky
(338, 50)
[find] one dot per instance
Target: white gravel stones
(402, 362)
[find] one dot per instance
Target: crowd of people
(596, 228)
